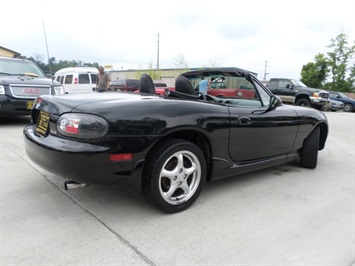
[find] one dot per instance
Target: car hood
(18, 80)
(310, 89)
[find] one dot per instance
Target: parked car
(124, 85)
(114, 85)
(349, 103)
(160, 87)
(80, 79)
(160, 84)
(294, 91)
(333, 106)
(167, 146)
(21, 82)
(226, 87)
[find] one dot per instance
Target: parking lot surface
(284, 215)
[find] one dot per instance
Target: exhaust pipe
(73, 185)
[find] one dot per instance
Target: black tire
(348, 107)
(303, 102)
(309, 152)
(174, 175)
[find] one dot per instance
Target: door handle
(244, 120)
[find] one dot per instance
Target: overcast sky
(244, 34)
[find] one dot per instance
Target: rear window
(218, 83)
(160, 85)
(133, 83)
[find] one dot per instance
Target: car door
(256, 134)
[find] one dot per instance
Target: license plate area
(43, 123)
(29, 105)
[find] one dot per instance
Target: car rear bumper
(82, 162)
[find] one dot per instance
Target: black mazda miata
(168, 146)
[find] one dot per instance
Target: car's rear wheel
(348, 107)
(174, 175)
(309, 152)
(303, 102)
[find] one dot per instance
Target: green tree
(53, 66)
(351, 78)
(180, 61)
(338, 61)
(315, 74)
(180, 64)
(332, 71)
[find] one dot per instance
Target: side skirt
(222, 168)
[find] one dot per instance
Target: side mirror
(275, 101)
(289, 86)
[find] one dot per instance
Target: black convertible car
(168, 146)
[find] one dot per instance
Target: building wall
(166, 75)
(8, 53)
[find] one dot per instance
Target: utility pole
(158, 52)
(45, 38)
(265, 73)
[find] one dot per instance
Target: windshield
(232, 90)
(19, 67)
(298, 83)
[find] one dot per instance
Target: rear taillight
(82, 126)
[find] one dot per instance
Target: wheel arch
(194, 136)
(323, 135)
(302, 96)
(351, 104)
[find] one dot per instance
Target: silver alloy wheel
(179, 177)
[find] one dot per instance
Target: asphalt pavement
(284, 215)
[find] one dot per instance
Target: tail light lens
(82, 126)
